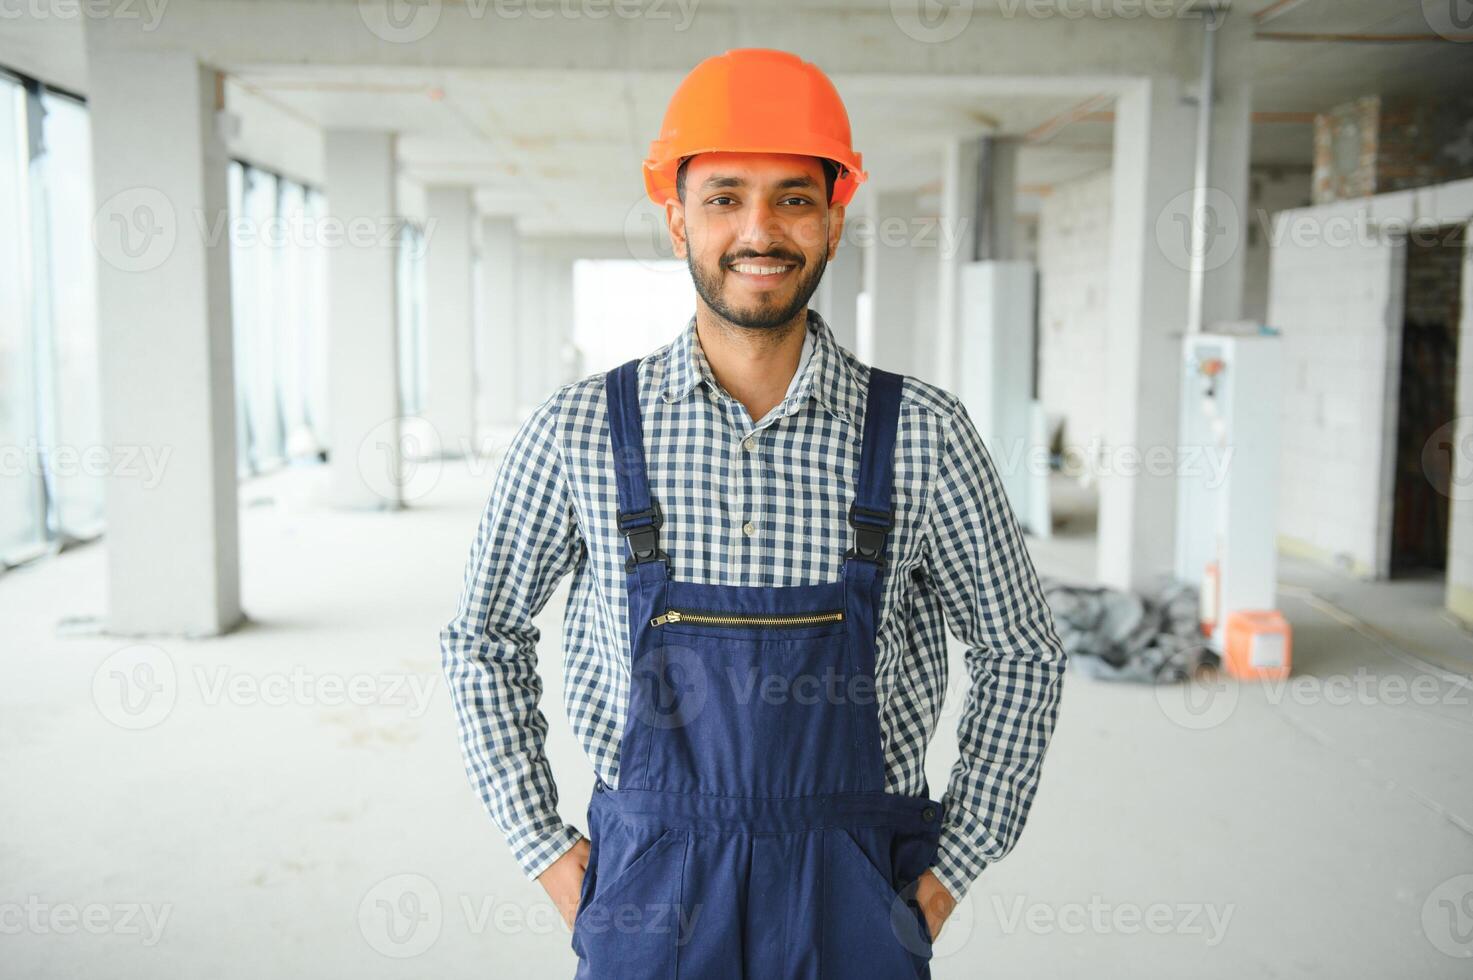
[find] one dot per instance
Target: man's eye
(797, 200)
(722, 200)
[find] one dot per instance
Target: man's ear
(675, 220)
(836, 229)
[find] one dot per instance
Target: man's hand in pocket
(935, 901)
(563, 880)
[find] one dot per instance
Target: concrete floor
(288, 801)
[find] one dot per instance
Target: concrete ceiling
(559, 145)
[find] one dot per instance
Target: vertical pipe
(1198, 273)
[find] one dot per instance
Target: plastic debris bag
(1112, 634)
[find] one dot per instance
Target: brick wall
(1345, 151)
(1376, 145)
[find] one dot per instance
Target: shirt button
(749, 444)
(749, 529)
(929, 813)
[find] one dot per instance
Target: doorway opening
(1426, 401)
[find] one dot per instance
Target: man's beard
(765, 316)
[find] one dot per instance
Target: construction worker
(768, 540)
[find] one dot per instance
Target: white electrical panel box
(1228, 472)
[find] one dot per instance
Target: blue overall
(751, 834)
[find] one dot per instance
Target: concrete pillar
(1449, 446)
(367, 450)
(837, 298)
(531, 342)
(165, 365)
(1152, 168)
(496, 394)
(557, 322)
(959, 205)
(997, 229)
(895, 341)
(450, 375)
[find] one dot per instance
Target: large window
(624, 308)
(51, 469)
(411, 313)
(22, 500)
(70, 413)
(277, 304)
(52, 458)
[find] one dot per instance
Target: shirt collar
(828, 376)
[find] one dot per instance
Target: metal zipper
(734, 619)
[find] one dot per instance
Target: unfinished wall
(1337, 299)
(1336, 291)
(1074, 267)
(1345, 151)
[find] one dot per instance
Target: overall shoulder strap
(639, 517)
(872, 514)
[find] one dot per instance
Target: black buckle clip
(869, 538)
(644, 540)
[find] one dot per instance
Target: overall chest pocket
(751, 705)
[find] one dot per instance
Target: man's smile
(764, 273)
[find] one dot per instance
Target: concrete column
(367, 451)
(959, 206)
(164, 337)
(1450, 448)
(997, 229)
(531, 345)
(497, 347)
(1152, 168)
(895, 340)
(837, 298)
(557, 322)
(450, 375)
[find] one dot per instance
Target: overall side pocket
(869, 928)
(627, 923)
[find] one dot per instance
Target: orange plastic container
(1258, 645)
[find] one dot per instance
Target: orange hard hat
(754, 100)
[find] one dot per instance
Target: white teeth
(752, 269)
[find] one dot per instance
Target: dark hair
(830, 174)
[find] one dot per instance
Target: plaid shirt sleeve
(527, 540)
(991, 597)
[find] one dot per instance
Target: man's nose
(760, 227)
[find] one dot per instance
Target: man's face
(756, 231)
